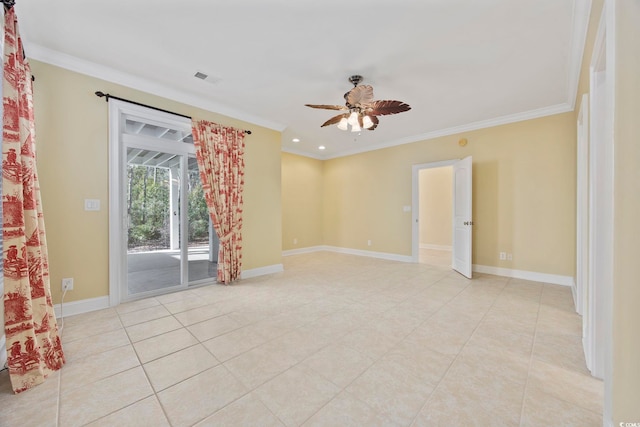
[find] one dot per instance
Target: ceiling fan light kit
(361, 111)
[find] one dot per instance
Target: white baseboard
(349, 251)
(554, 279)
(261, 271)
(306, 250)
(372, 254)
(99, 303)
(498, 271)
(435, 247)
(82, 306)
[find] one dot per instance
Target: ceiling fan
(361, 111)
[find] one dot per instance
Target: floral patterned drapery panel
(34, 349)
(220, 155)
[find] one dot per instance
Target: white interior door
(462, 218)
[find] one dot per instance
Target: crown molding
(72, 63)
(498, 121)
(303, 153)
(581, 15)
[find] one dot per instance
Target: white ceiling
(460, 64)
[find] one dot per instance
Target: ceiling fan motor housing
(355, 79)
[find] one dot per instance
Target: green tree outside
(148, 208)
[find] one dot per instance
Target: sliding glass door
(165, 238)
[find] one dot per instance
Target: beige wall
(523, 194)
(301, 202)
(626, 275)
(71, 127)
(435, 206)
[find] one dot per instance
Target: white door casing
(601, 190)
(582, 210)
(462, 216)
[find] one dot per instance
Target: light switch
(91, 204)
(406, 208)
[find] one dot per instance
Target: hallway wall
(435, 207)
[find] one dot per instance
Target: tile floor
(335, 340)
(435, 257)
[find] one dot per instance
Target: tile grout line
(155, 393)
(344, 389)
(141, 365)
(313, 297)
(220, 363)
(58, 406)
(455, 358)
(533, 344)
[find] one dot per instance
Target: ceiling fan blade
(375, 121)
(327, 107)
(334, 120)
(383, 108)
(360, 95)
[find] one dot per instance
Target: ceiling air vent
(207, 78)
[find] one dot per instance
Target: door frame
(415, 202)
(117, 162)
(601, 186)
(582, 210)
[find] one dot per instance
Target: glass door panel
(153, 181)
(203, 242)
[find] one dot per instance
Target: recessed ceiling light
(296, 139)
(322, 147)
(200, 75)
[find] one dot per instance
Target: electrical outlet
(503, 256)
(509, 257)
(67, 284)
(368, 242)
(295, 240)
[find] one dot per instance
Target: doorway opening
(460, 214)
(435, 216)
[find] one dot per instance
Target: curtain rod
(101, 94)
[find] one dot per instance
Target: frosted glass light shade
(353, 119)
(344, 124)
(367, 122)
(356, 128)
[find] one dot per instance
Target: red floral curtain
(220, 154)
(33, 344)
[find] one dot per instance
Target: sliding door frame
(118, 111)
